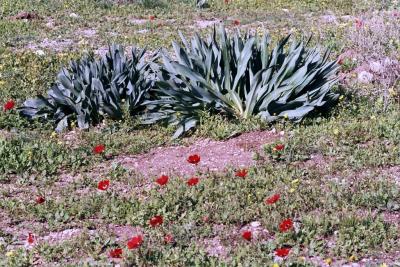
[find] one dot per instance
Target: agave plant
(242, 77)
(92, 89)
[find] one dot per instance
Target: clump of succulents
(235, 76)
(92, 89)
(241, 77)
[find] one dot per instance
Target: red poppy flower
(152, 17)
(226, 1)
(116, 253)
(156, 220)
(162, 180)
(286, 225)
(169, 239)
(31, 238)
(272, 199)
(236, 22)
(194, 159)
(40, 200)
(246, 235)
(241, 173)
(9, 105)
(193, 181)
(282, 252)
(280, 147)
(135, 242)
(103, 185)
(99, 149)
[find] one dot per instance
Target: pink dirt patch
(316, 161)
(226, 239)
(124, 232)
(258, 232)
(215, 248)
(216, 156)
(201, 24)
(65, 235)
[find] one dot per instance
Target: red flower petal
(156, 220)
(152, 17)
(31, 238)
(9, 105)
(99, 149)
(103, 185)
(282, 252)
(194, 159)
(286, 225)
(271, 200)
(135, 242)
(40, 200)
(162, 180)
(193, 181)
(241, 173)
(280, 147)
(116, 253)
(169, 239)
(247, 235)
(236, 22)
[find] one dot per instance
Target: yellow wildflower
(53, 135)
(295, 181)
(328, 261)
(392, 92)
(286, 116)
(341, 97)
(383, 265)
(291, 190)
(335, 131)
(10, 253)
(352, 258)
(275, 265)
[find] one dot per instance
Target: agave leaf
(62, 124)
(185, 126)
(226, 58)
(243, 61)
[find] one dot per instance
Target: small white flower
(40, 52)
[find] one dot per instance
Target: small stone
(143, 31)
(74, 15)
(329, 19)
